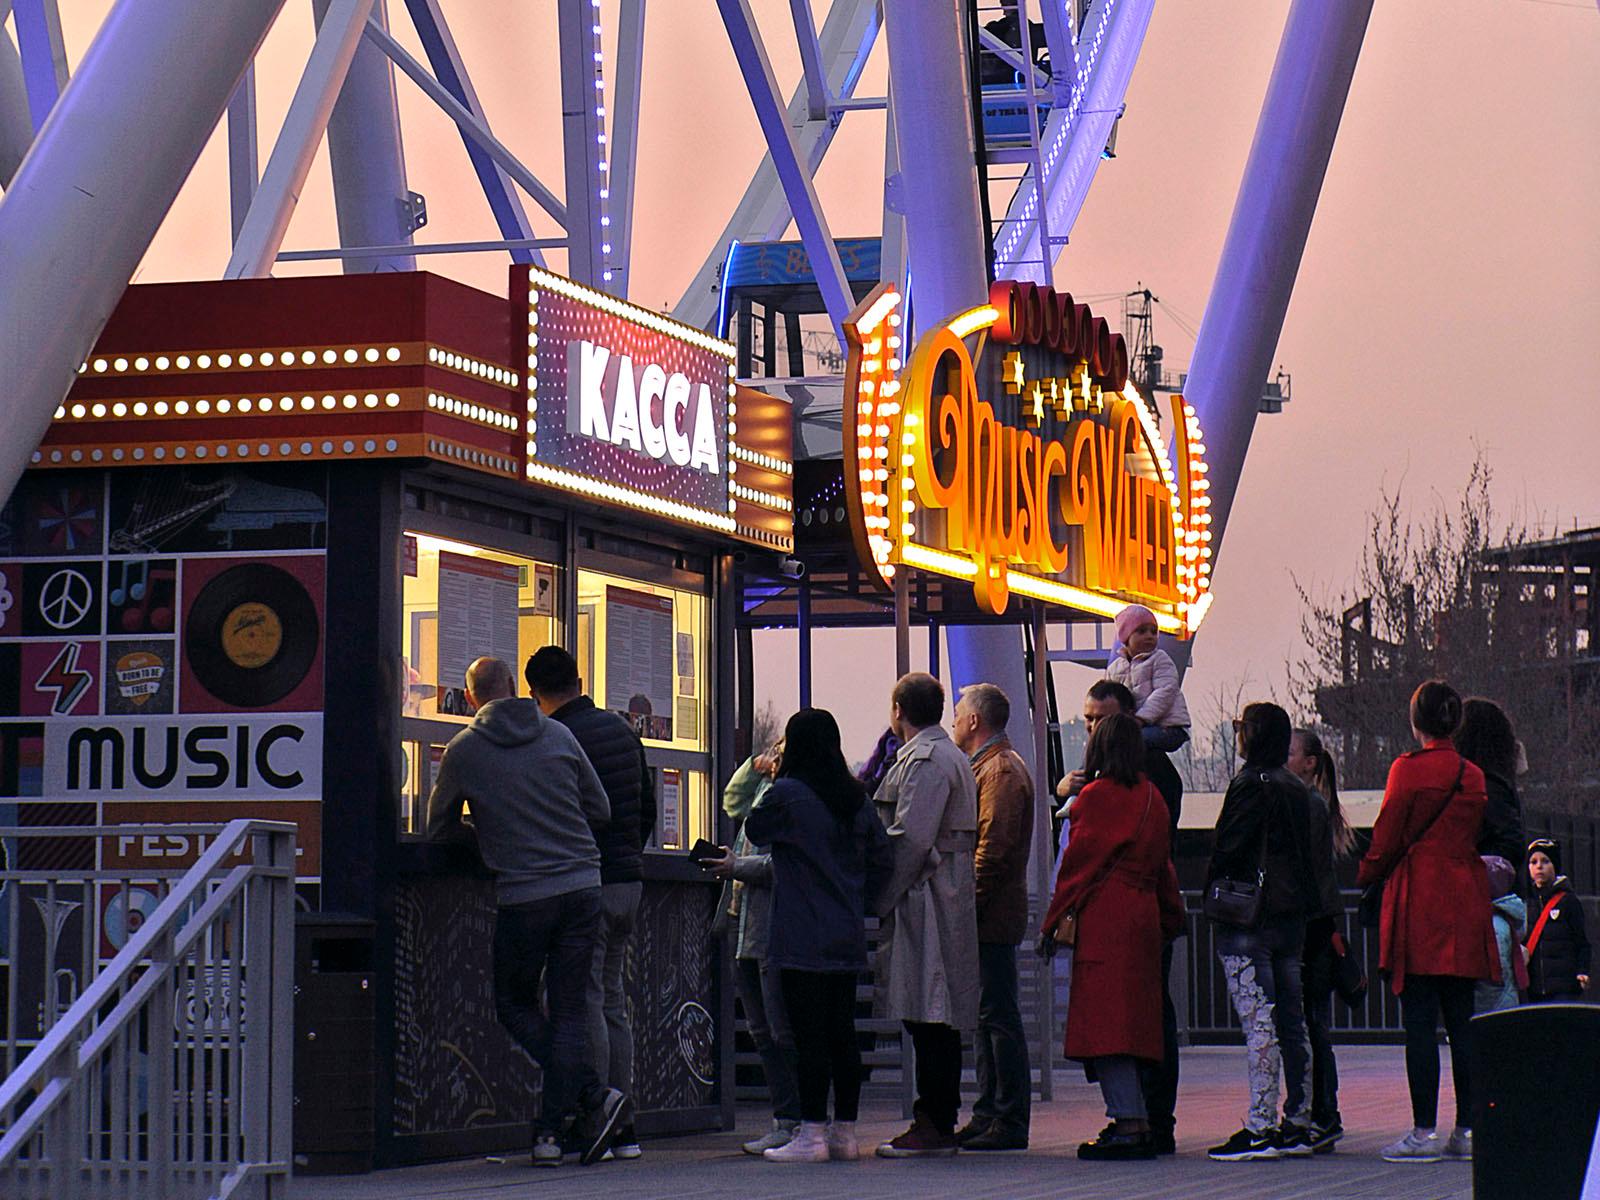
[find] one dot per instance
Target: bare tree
(1458, 594)
(767, 728)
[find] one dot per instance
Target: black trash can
(1536, 1096)
(334, 1071)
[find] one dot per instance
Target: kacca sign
(1028, 464)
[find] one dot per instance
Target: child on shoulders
(1149, 673)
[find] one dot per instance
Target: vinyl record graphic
(251, 635)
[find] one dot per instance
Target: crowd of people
(933, 837)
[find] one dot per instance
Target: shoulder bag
(1369, 910)
(1066, 930)
(1237, 902)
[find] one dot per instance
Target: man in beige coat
(927, 964)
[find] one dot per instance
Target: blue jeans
(610, 1028)
(761, 993)
(1005, 1078)
(1165, 738)
(1262, 966)
(554, 937)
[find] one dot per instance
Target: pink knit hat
(1130, 619)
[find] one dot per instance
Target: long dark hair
(1485, 737)
(1326, 782)
(1264, 728)
(1116, 750)
(811, 754)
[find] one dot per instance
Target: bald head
(489, 679)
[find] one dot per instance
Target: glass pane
(462, 601)
(642, 651)
(684, 814)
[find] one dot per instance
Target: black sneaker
(595, 1125)
(1294, 1141)
(1245, 1146)
(625, 1143)
(1111, 1146)
(997, 1137)
(1325, 1136)
(974, 1128)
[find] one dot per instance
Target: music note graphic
(126, 590)
(146, 592)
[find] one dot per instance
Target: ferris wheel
(1010, 101)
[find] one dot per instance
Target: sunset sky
(1449, 297)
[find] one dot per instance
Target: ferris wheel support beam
(370, 196)
(625, 140)
(585, 153)
(847, 35)
(81, 211)
(44, 54)
(1074, 137)
(452, 90)
(1267, 233)
(944, 235)
(793, 172)
(244, 167)
(261, 235)
(16, 130)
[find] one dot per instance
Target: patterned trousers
(1262, 966)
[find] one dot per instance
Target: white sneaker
(779, 1135)
(1459, 1145)
(809, 1144)
(1412, 1149)
(842, 1144)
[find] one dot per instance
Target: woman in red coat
(1117, 877)
(1437, 930)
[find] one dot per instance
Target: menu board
(639, 660)
(477, 614)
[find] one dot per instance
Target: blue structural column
(945, 251)
(1267, 234)
(364, 149)
(82, 209)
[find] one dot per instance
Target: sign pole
(902, 622)
(1043, 857)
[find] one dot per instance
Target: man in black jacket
(618, 758)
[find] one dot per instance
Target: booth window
(642, 648)
(460, 602)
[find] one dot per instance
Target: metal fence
(165, 1071)
(1201, 992)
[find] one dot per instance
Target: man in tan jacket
(1001, 1112)
(927, 961)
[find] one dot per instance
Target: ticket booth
(267, 531)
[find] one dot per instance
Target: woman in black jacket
(1558, 945)
(830, 855)
(1485, 737)
(1264, 827)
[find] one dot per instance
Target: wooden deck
(1211, 1104)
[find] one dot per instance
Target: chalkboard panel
(456, 1069)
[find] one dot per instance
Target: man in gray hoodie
(534, 800)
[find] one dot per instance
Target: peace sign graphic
(66, 598)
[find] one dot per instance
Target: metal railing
(170, 1074)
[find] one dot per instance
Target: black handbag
(1369, 910)
(1238, 902)
(1349, 980)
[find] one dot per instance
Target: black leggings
(1422, 1001)
(822, 1013)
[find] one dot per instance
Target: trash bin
(334, 1071)
(1536, 1096)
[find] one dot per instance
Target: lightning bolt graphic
(64, 679)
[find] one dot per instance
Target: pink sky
(1449, 296)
